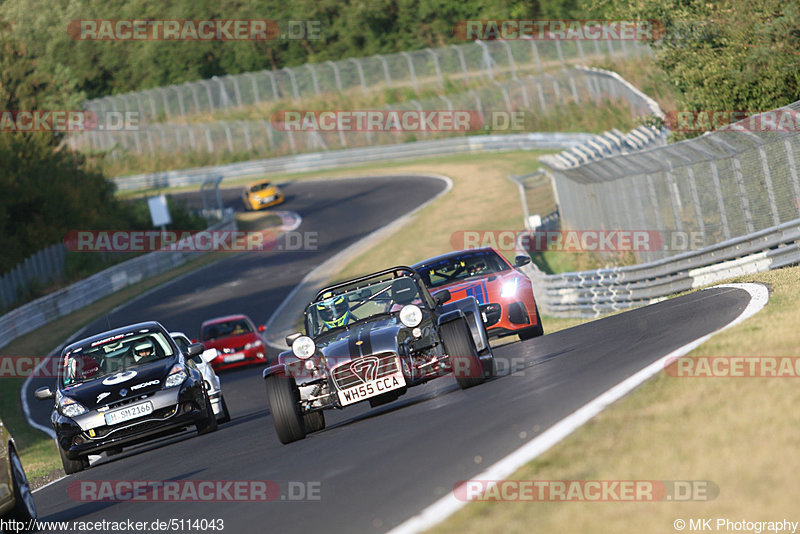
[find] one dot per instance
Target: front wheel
(24, 507)
(284, 404)
(534, 331)
(209, 424)
(226, 415)
(314, 421)
(467, 365)
(72, 466)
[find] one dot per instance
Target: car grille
(230, 350)
(129, 428)
(124, 402)
(492, 312)
(345, 377)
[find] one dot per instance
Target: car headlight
(509, 288)
(410, 315)
(70, 407)
(304, 347)
(254, 344)
(176, 376)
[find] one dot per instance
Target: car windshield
(460, 267)
(344, 308)
(234, 327)
(260, 187)
(113, 354)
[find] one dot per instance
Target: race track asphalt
(369, 469)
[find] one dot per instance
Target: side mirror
(519, 261)
(291, 338)
(195, 349)
(44, 393)
(209, 355)
(261, 328)
(442, 296)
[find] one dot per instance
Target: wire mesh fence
(418, 69)
(699, 192)
(540, 96)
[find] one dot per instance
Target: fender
(280, 368)
(468, 306)
(449, 316)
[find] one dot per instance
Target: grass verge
(739, 433)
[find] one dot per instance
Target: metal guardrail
(592, 293)
(41, 311)
(353, 156)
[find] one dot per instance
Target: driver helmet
(143, 349)
(334, 311)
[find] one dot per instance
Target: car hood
(479, 287)
(231, 342)
(121, 385)
(363, 339)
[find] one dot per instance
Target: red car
(237, 340)
(504, 294)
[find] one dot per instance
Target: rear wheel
(209, 424)
(24, 507)
(284, 404)
(314, 421)
(72, 466)
(467, 366)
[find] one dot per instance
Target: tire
(458, 342)
(489, 365)
(72, 466)
(314, 421)
(226, 415)
(534, 331)
(209, 424)
(24, 506)
(386, 398)
(284, 404)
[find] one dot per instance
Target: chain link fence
(540, 95)
(699, 192)
(416, 70)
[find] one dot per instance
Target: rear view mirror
(209, 355)
(442, 296)
(195, 349)
(261, 328)
(44, 393)
(291, 338)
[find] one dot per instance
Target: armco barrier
(354, 156)
(592, 293)
(39, 312)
